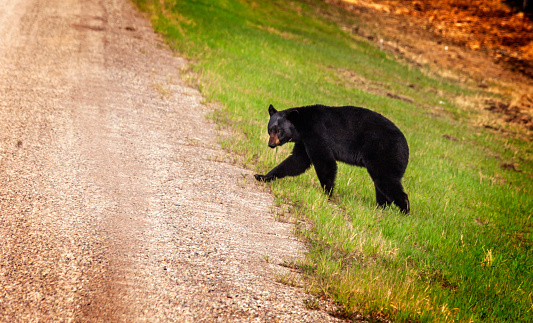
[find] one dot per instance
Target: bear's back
(354, 133)
(345, 120)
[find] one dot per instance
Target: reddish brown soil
(483, 43)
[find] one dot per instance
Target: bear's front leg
(326, 171)
(263, 178)
(297, 163)
(325, 165)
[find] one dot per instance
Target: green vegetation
(465, 251)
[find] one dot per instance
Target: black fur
(356, 136)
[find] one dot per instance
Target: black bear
(323, 135)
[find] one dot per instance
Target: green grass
(464, 253)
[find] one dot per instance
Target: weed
(312, 303)
(287, 278)
(243, 180)
(266, 257)
(163, 92)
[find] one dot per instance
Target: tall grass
(465, 251)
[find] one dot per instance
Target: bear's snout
(273, 141)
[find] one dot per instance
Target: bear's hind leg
(391, 191)
(402, 201)
(381, 199)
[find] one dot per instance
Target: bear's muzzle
(273, 141)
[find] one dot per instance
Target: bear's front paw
(262, 178)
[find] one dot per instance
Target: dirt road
(116, 203)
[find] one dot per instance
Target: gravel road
(116, 202)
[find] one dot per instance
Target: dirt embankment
(484, 44)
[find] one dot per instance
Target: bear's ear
(271, 110)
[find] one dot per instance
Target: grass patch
(287, 278)
(465, 251)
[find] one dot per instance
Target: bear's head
(280, 127)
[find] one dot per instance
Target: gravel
(116, 202)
